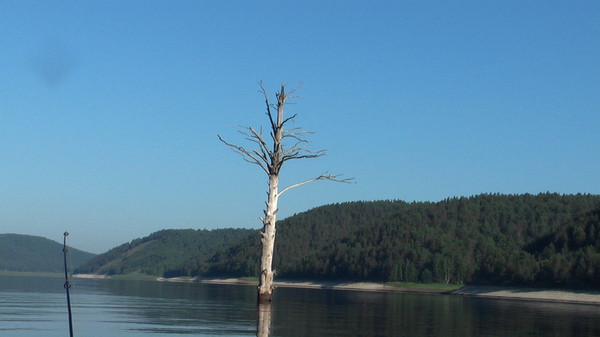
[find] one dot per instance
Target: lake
(36, 306)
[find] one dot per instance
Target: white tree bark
(265, 284)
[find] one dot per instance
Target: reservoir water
(36, 306)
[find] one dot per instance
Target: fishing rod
(67, 284)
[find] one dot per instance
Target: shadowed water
(36, 306)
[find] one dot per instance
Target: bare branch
(249, 157)
(294, 90)
(261, 156)
(288, 119)
(297, 156)
(321, 177)
(297, 146)
(269, 106)
(264, 147)
(298, 131)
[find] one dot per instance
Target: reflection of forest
(305, 312)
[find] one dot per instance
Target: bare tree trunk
(265, 283)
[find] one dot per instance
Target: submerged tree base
(265, 298)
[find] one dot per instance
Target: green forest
(537, 240)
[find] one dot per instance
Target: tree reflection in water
(263, 323)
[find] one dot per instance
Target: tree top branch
(335, 178)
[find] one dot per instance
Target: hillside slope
(26, 253)
(164, 252)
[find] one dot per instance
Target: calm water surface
(36, 306)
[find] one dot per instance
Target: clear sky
(110, 110)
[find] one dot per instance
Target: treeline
(164, 253)
(543, 240)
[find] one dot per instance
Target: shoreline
(343, 285)
(493, 292)
(531, 294)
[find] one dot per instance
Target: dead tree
(270, 155)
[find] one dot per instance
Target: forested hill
(164, 252)
(545, 239)
(26, 253)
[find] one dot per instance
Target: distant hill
(164, 252)
(26, 253)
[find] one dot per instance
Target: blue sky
(110, 110)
